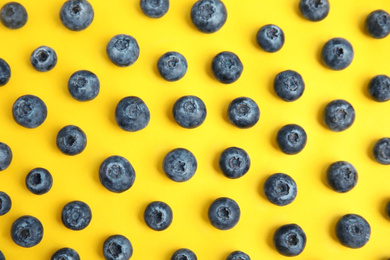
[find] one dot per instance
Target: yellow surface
(316, 208)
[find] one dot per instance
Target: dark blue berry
(314, 10)
(123, 50)
(158, 215)
(76, 215)
(337, 54)
(117, 247)
(270, 38)
(5, 156)
(289, 85)
(179, 165)
(379, 88)
(291, 139)
(238, 255)
(208, 15)
(132, 114)
(5, 203)
(27, 231)
(71, 140)
(116, 174)
(183, 254)
(381, 151)
(280, 189)
(339, 115)
(2, 257)
(5, 72)
(243, 112)
(65, 254)
(341, 176)
(83, 85)
(43, 58)
(76, 15)
(234, 162)
(154, 8)
(39, 181)
(29, 111)
(378, 24)
(13, 15)
(172, 66)
(289, 240)
(353, 231)
(226, 67)
(189, 111)
(224, 213)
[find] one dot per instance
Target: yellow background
(316, 208)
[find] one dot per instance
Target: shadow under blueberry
(141, 214)
(270, 238)
(320, 115)
(332, 228)
(273, 139)
(208, 68)
(382, 208)
(216, 162)
(169, 113)
(319, 53)
(365, 88)
(261, 187)
(370, 148)
(224, 112)
(324, 175)
(271, 88)
(362, 25)
(205, 212)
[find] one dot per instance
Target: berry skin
(314, 11)
(2, 257)
(379, 88)
(238, 255)
(208, 15)
(71, 140)
(353, 231)
(226, 67)
(172, 66)
(158, 215)
(13, 15)
(116, 174)
(291, 139)
(378, 24)
(27, 231)
(234, 162)
(243, 112)
(183, 254)
(83, 85)
(123, 50)
(179, 165)
(189, 111)
(154, 8)
(76, 15)
(341, 176)
(339, 115)
(289, 240)
(280, 189)
(337, 54)
(132, 114)
(381, 151)
(43, 58)
(5, 72)
(289, 85)
(270, 38)
(5, 203)
(39, 181)
(224, 213)
(65, 254)
(5, 156)
(76, 215)
(117, 247)
(29, 111)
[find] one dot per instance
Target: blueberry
(76, 15)
(132, 114)
(226, 67)
(189, 111)
(154, 8)
(5, 203)
(5, 72)
(117, 247)
(39, 181)
(172, 66)
(291, 139)
(337, 53)
(208, 15)
(379, 88)
(76, 215)
(243, 112)
(179, 165)
(339, 115)
(123, 50)
(280, 189)
(238, 255)
(289, 85)
(65, 254)
(27, 231)
(353, 231)
(270, 38)
(29, 111)
(13, 15)
(184, 254)
(43, 58)
(5, 156)
(289, 240)
(116, 174)
(234, 162)
(381, 151)
(224, 213)
(314, 10)
(378, 24)
(158, 215)
(341, 176)
(2, 257)
(83, 85)
(71, 140)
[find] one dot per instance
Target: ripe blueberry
(71, 140)
(270, 38)
(65, 254)
(280, 189)
(27, 231)
(76, 215)
(289, 85)
(243, 112)
(341, 176)
(337, 53)
(238, 255)
(378, 24)
(226, 67)
(314, 10)
(339, 115)
(189, 111)
(158, 215)
(172, 66)
(179, 165)
(289, 240)
(123, 50)
(224, 213)
(76, 15)
(379, 88)
(39, 181)
(183, 254)
(13, 15)
(29, 111)
(5, 203)
(117, 247)
(132, 114)
(234, 162)
(2, 257)
(43, 58)
(208, 15)
(154, 8)
(5, 72)
(83, 85)
(5, 156)
(353, 231)
(381, 151)
(291, 139)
